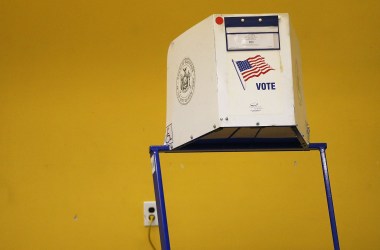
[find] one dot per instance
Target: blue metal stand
(160, 199)
(322, 149)
(159, 193)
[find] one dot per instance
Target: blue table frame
(160, 199)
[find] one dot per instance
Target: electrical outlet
(150, 208)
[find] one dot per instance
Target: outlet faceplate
(150, 208)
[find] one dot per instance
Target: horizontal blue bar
(157, 148)
(318, 146)
(251, 21)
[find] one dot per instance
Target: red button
(219, 20)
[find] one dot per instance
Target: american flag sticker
(251, 67)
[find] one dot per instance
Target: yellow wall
(82, 96)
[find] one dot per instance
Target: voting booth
(234, 82)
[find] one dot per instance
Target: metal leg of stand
(159, 194)
(322, 149)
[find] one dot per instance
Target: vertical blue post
(159, 194)
(322, 149)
